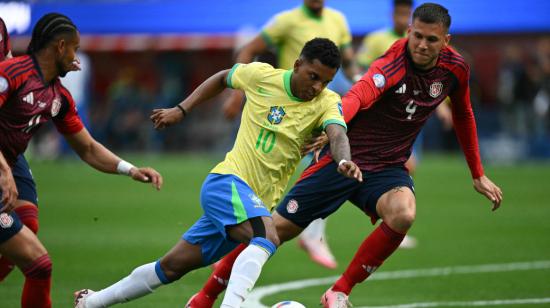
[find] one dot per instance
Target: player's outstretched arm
(487, 188)
(7, 186)
(102, 159)
(340, 150)
(211, 87)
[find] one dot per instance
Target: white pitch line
(501, 302)
(254, 299)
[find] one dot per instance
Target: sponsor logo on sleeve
(379, 80)
(3, 84)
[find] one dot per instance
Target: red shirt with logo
(26, 102)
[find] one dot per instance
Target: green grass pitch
(97, 228)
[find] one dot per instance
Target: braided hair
(48, 28)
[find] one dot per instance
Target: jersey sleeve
(67, 121)
(367, 90)
(464, 122)
(276, 29)
(333, 113)
(245, 76)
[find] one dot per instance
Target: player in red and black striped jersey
(385, 111)
(31, 94)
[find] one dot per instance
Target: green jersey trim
(333, 121)
(238, 207)
(286, 76)
(230, 76)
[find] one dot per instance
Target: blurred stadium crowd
(126, 76)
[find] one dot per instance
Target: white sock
(142, 281)
(246, 271)
(315, 231)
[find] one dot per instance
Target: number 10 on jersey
(266, 140)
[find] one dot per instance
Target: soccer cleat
(333, 299)
(408, 242)
(318, 252)
(200, 300)
(80, 297)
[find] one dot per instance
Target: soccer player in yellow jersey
(376, 43)
(284, 108)
(286, 33)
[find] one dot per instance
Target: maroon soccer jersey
(4, 41)
(387, 108)
(26, 102)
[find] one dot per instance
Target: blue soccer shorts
(325, 190)
(226, 200)
(10, 224)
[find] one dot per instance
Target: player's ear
(61, 44)
(298, 63)
(447, 39)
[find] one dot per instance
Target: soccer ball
(288, 304)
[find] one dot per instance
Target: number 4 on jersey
(410, 109)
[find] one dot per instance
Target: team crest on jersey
(379, 80)
(292, 206)
(3, 84)
(435, 89)
(5, 220)
(56, 106)
(257, 201)
(276, 114)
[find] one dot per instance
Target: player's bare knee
(404, 220)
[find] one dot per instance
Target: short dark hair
(402, 2)
(432, 13)
(323, 50)
(48, 28)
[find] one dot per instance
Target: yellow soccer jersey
(289, 31)
(274, 126)
(375, 44)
